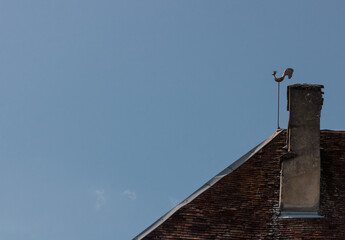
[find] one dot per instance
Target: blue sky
(112, 112)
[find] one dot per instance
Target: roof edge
(207, 185)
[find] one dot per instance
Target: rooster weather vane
(288, 72)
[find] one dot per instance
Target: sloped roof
(242, 202)
(208, 184)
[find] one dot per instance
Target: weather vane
(288, 72)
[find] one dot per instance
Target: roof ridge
(331, 130)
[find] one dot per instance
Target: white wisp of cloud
(100, 198)
(130, 194)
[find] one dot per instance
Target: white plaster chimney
(300, 167)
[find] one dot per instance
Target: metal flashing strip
(207, 185)
(299, 215)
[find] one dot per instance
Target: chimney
(300, 166)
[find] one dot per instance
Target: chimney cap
(304, 86)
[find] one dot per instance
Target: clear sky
(112, 112)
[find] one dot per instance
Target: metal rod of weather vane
(288, 72)
(278, 104)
